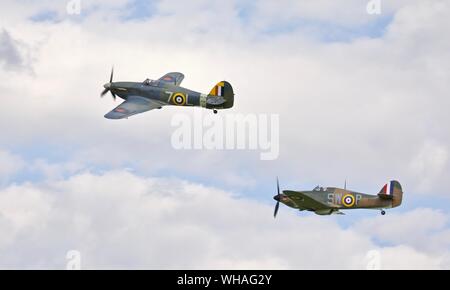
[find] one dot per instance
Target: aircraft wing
(132, 106)
(173, 78)
(305, 201)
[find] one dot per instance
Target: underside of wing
(173, 78)
(328, 212)
(132, 106)
(304, 201)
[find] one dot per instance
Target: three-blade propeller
(108, 86)
(277, 198)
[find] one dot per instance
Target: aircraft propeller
(108, 86)
(277, 198)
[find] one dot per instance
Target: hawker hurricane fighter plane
(330, 200)
(154, 94)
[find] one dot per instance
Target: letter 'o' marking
(179, 99)
(348, 200)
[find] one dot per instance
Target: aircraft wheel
(383, 212)
(215, 111)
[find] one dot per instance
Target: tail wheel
(383, 212)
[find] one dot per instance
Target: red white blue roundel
(348, 200)
(179, 99)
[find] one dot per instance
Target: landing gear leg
(383, 212)
(215, 111)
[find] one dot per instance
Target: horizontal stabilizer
(385, 196)
(215, 101)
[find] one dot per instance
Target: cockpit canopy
(149, 82)
(319, 188)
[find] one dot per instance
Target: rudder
(392, 190)
(225, 90)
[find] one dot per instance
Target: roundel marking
(348, 200)
(179, 99)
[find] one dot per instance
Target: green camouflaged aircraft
(154, 94)
(330, 200)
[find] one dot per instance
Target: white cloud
(363, 108)
(367, 109)
(14, 55)
(23, 207)
(405, 258)
(122, 220)
(423, 229)
(430, 166)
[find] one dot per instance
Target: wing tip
(113, 116)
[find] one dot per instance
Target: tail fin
(225, 90)
(392, 190)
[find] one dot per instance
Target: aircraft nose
(107, 86)
(276, 197)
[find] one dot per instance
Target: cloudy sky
(360, 97)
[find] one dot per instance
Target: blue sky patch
(45, 16)
(139, 10)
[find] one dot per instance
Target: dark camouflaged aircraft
(154, 94)
(330, 200)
